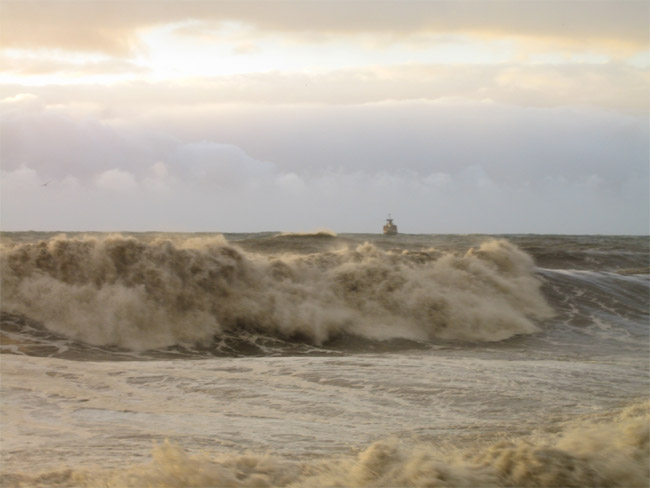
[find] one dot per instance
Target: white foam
(121, 291)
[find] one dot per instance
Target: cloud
(456, 166)
(57, 143)
(512, 143)
(22, 102)
(20, 98)
(246, 48)
(292, 184)
(220, 165)
(112, 28)
(610, 85)
(159, 180)
(116, 180)
(454, 116)
(29, 63)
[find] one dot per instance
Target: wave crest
(142, 295)
(611, 452)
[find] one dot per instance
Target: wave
(584, 297)
(611, 450)
(139, 295)
(601, 253)
(320, 233)
(321, 240)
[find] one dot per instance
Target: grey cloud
(116, 180)
(57, 144)
(223, 165)
(513, 144)
(438, 167)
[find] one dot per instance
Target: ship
(390, 229)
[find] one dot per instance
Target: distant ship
(390, 229)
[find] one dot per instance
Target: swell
(625, 295)
(620, 254)
(611, 307)
(294, 242)
(124, 292)
(611, 450)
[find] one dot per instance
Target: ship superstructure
(390, 229)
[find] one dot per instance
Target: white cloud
(292, 184)
(437, 180)
(615, 86)
(159, 180)
(20, 98)
(20, 103)
(116, 180)
(21, 177)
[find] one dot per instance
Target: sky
(459, 116)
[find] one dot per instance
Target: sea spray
(140, 295)
(612, 452)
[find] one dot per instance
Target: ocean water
(271, 359)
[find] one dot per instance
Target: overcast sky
(454, 116)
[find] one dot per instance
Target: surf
(141, 294)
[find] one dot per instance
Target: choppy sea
(316, 359)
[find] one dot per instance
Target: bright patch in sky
(195, 49)
(192, 49)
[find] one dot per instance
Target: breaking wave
(320, 233)
(612, 451)
(121, 291)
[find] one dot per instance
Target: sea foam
(139, 295)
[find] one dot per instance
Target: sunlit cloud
(112, 27)
(521, 109)
(611, 85)
(45, 67)
(26, 63)
(198, 45)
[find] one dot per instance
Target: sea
(322, 359)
